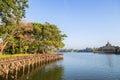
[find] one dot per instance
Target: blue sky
(88, 23)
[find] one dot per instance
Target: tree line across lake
(21, 37)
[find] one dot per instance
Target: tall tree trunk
(13, 48)
(2, 46)
(20, 49)
(43, 52)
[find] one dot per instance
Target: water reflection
(89, 66)
(49, 72)
(35, 72)
(75, 66)
(110, 64)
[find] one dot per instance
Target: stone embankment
(15, 63)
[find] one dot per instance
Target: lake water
(81, 66)
(77, 66)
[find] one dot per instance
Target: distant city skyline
(88, 23)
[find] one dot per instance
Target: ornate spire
(108, 44)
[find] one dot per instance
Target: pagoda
(108, 48)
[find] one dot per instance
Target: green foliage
(26, 37)
(12, 10)
(11, 13)
(32, 38)
(48, 36)
(14, 55)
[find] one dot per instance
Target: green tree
(12, 10)
(32, 38)
(53, 37)
(49, 37)
(6, 36)
(24, 37)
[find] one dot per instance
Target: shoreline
(15, 63)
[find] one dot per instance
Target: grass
(13, 55)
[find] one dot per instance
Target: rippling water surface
(81, 66)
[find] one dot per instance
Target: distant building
(108, 48)
(86, 50)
